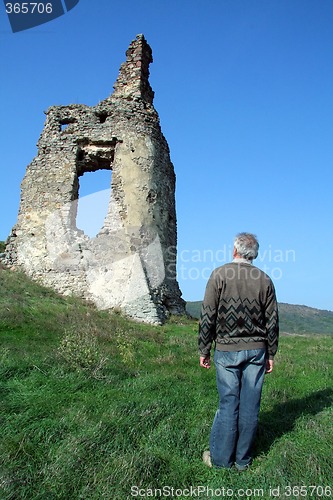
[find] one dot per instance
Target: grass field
(94, 406)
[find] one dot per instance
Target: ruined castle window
(63, 124)
(93, 201)
(102, 117)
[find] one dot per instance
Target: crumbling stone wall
(131, 263)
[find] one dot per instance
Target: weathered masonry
(131, 263)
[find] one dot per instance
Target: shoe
(206, 458)
(242, 468)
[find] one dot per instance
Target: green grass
(93, 405)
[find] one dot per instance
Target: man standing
(240, 315)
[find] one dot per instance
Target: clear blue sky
(244, 90)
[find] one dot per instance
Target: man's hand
(205, 361)
(269, 365)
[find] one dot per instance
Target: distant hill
(293, 318)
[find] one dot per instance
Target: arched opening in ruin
(93, 201)
(92, 188)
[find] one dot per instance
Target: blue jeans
(239, 378)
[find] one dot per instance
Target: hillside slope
(96, 406)
(293, 318)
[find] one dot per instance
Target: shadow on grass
(282, 418)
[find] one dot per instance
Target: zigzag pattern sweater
(239, 310)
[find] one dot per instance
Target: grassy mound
(96, 406)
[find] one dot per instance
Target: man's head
(246, 246)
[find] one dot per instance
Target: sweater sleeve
(207, 323)
(272, 322)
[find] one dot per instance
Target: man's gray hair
(247, 245)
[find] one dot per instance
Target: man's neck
(241, 260)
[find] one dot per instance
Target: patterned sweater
(239, 310)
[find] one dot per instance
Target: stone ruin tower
(131, 263)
